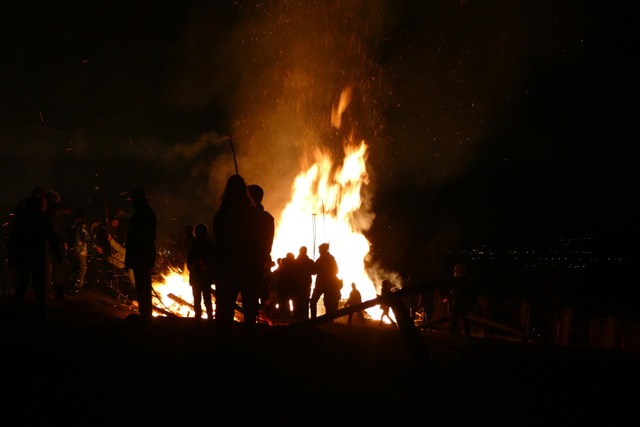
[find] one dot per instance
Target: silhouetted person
(385, 289)
(188, 237)
(141, 250)
(31, 237)
(200, 262)
(37, 191)
(274, 284)
(286, 284)
(239, 257)
(59, 216)
(78, 237)
(355, 297)
(327, 283)
(266, 235)
(304, 268)
(462, 301)
(110, 243)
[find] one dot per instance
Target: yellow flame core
(173, 291)
(322, 208)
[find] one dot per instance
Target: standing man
(200, 262)
(239, 255)
(266, 234)
(303, 280)
(78, 235)
(141, 250)
(462, 299)
(327, 282)
(355, 298)
(385, 289)
(32, 237)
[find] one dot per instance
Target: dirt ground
(91, 363)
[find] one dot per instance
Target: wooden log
(383, 299)
(488, 323)
(482, 322)
(394, 300)
(180, 301)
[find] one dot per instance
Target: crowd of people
(50, 246)
(228, 262)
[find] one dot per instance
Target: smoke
(430, 84)
(150, 98)
(280, 70)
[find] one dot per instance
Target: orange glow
(322, 209)
(174, 282)
(326, 205)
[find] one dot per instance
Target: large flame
(326, 207)
(173, 293)
(323, 208)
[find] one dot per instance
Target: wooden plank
(482, 321)
(406, 325)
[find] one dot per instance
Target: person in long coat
(140, 255)
(239, 255)
(32, 236)
(267, 234)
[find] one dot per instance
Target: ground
(92, 363)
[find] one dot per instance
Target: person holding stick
(240, 257)
(327, 284)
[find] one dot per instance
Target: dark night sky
(506, 122)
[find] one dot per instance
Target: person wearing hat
(327, 282)
(141, 250)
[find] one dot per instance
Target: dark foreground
(90, 364)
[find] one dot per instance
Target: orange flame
(326, 207)
(173, 293)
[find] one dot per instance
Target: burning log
(163, 311)
(180, 301)
(262, 318)
(388, 299)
